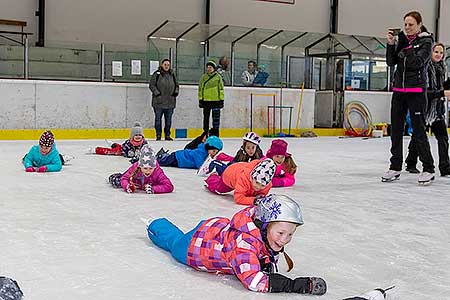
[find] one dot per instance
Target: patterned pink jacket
(160, 182)
(232, 247)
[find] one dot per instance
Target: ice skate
(67, 158)
(425, 178)
(147, 221)
(390, 175)
(161, 152)
(318, 286)
(90, 150)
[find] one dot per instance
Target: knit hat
(278, 147)
(213, 142)
(47, 139)
(212, 64)
(136, 130)
(148, 157)
(9, 289)
(264, 171)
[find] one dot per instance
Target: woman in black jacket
(411, 54)
(435, 117)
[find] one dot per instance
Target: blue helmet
(213, 142)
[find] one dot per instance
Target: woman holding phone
(410, 53)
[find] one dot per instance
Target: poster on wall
(154, 65)
(135, 67)
(279, 1)
(116, 68)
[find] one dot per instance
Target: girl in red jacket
(144, 175)
(286, 167)
(247, 246)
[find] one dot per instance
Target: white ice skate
(425, 178)
(67, 158)
(90, 150)
(390, 175)
(146, 221)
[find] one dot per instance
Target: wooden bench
(20, 24)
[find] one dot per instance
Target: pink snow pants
(216, 185)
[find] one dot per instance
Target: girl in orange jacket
(250, 181)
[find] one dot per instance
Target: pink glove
(30, 169)
(42, 169)
(131, 188)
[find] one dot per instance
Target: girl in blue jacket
(190, 158)
(43, 157)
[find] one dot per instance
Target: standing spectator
(411, 53)
(164, 87)
(222, 69)
(211, 96)
(249, 75)
(435, 113)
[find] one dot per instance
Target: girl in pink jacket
(247, 246)
(144, 175)
(286, 167)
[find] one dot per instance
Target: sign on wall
(280, 1)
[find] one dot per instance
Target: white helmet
(277, 208)
(252, 138)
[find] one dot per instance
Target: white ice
(70, 235)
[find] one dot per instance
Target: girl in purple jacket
(144, 175)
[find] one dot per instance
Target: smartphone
(395, 31)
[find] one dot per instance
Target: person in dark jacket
(164, 88)
(435, 117)
(411, 54)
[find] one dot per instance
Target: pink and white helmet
(252, 138)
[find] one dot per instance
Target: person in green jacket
(211, 96)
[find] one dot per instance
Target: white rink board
(88, 105)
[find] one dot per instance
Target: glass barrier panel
(65, 61)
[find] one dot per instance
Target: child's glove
(258, 198)
(30, 169)
(42, 169)
(148, 188)
(131, 188)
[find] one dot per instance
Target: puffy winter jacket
(159, 181)
(191, 159)
(411, 59)
(232, 247)
(282, 178)
(130, 151)
(34, 158)
(210, 91)
(164, 87)
(237, 176)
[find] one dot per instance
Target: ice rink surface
(70, 235)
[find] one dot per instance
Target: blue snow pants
(169, 237)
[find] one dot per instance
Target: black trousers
(215, 116)
(439, 129)
(416, 103)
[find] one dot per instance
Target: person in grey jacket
(164, 88)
